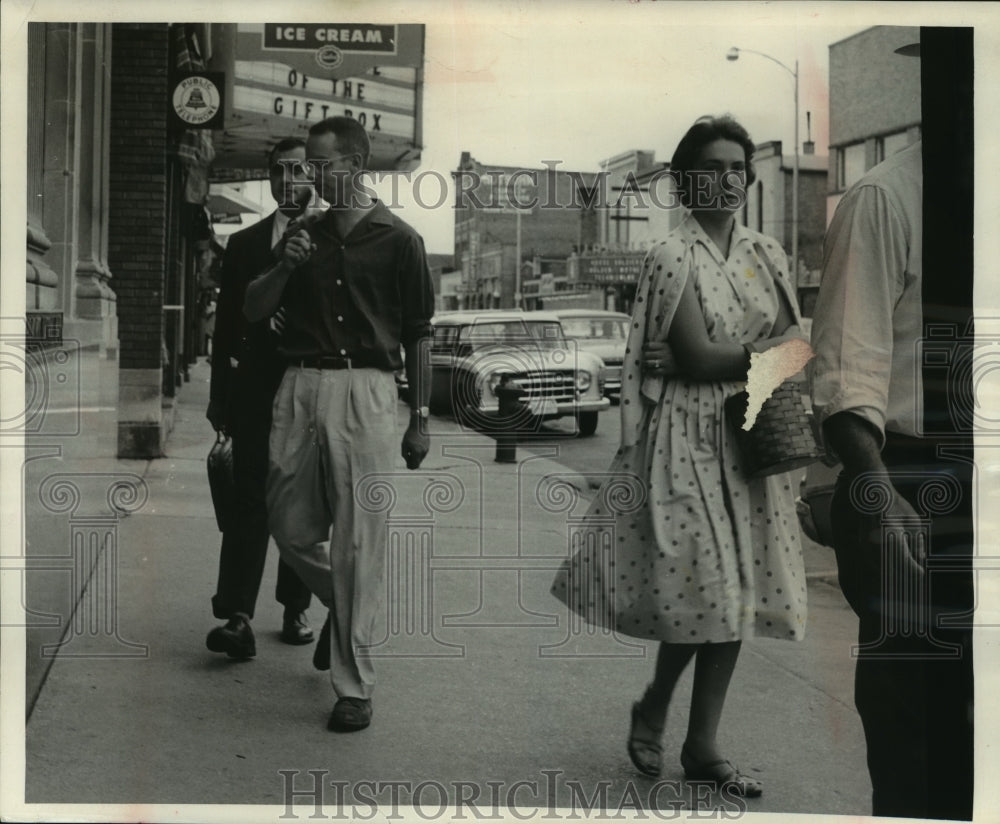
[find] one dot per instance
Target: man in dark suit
(246, 371)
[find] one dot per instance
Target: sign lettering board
(288, 76)
(313, 47)
(353, 37)
(610, 268)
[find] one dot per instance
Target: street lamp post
(734, 54)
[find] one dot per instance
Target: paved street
(483, 678)
(592, 456)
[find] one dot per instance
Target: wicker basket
(781, 439)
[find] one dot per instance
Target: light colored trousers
(331, 428)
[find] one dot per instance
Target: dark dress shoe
(321, 655)
(295, 630)
(350, 715)
(235, 638)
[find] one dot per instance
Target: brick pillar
(137, 225)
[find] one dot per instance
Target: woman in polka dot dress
(709, 557)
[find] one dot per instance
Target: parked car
(472, 351)
(602, 333)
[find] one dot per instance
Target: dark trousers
(913, 679)
(244, 546)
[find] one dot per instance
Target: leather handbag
(222, 481)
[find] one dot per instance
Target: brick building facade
(486, 226)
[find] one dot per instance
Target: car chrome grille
(555, 384)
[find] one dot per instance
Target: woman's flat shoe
(722, 773)
(646, 753)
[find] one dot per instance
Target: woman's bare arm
(697, 355)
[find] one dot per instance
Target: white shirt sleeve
(864, 262)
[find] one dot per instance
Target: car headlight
(583, 380)
(493, 381)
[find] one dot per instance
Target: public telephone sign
(348, 37)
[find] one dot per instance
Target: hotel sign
(605, 269)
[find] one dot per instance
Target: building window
(850, 165)
(888, 145)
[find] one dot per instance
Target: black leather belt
(327, 362)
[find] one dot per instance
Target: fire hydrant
(511, 414)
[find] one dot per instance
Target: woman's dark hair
(704, 131)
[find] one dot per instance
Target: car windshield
(595, 328)
(548, 334)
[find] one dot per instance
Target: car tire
(587, 423)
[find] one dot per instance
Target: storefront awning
(228, 203)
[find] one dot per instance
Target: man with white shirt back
(899, 535)
(240, 405)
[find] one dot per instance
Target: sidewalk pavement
(482, 676)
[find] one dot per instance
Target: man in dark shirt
(355, 287)
(241, 397)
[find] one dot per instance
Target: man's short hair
(351, 135)
(704, 131)
(281, 147)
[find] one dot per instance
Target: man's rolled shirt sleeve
(864, 261)
(416, 291)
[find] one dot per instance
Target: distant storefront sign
(604, 269)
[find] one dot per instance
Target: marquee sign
(381, 104)
(286, 77)
(355, 37)
(332, 49)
